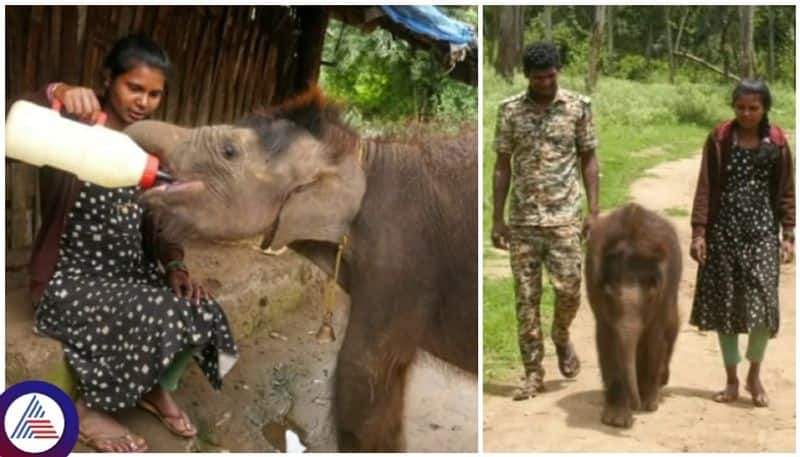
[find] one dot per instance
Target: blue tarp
(431, 22)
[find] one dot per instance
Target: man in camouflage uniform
(545, 142)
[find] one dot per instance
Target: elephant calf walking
(633, 269)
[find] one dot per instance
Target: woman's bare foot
(731, 393)
(757, 391)
(102, 433)
(161, 404)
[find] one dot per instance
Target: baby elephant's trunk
(629, 339)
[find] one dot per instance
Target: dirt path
(567, 417)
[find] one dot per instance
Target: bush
(783, 105)
(626, 103)
(388, 81)
(702, 105)
(633, 67)
(575, 52)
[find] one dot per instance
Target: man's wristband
(175, 265)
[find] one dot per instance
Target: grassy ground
(638, 126)
(500, 349)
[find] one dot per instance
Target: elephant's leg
(452, 332)
(652, 352)
(617, 408)
(369, 413)
(444, 344)
(371, 378)
(670, 335)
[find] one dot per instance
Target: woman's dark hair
(540, 56)
(134, 50)
(757, 87)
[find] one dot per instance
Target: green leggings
(756, 345)
(171, 378)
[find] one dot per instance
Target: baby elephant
(633, 268)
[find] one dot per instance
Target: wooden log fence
(227, 60)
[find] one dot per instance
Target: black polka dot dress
(120, 324)
(737, 289)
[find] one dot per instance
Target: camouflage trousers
(559, 250)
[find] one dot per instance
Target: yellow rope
(360, 153)
(325, 333)
(330, 287)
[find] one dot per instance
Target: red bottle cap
(149, 174)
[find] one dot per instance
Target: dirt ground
(567, 417)
(284, 379)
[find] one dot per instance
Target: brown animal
(633, 269)
(409, 209)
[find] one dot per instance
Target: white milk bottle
(40, 136)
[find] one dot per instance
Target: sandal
(725, 396)
(568, 362)
(179, 425)
(104, 443)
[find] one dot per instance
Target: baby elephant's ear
(323, 210)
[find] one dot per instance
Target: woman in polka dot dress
(742, 227)
(128, 329)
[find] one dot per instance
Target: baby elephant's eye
(229, 151)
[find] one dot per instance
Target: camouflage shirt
(545, 153)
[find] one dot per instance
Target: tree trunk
(648, 47)
(489, 34)
(723, 38)
(610, 55)
(747, 59)
(596, 47)
(771, 32)
(548, 23)
(681, 28)
(670, 56)
(509, 39)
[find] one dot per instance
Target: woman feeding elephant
(743, 203)
(129, 326)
